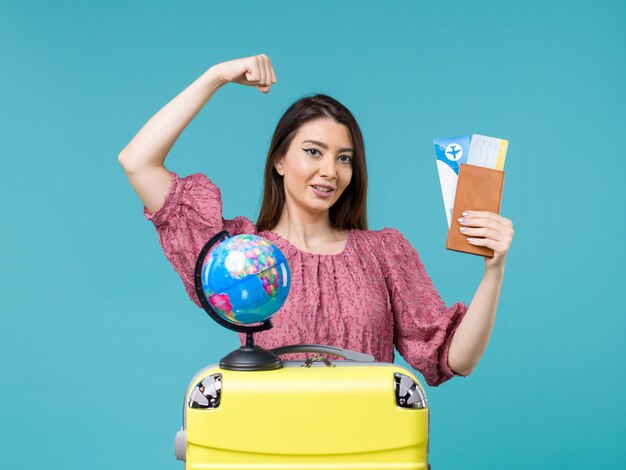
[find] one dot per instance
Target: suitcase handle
(321, 348)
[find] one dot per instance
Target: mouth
(323, 187)
(323, 190)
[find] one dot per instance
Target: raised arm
(143, 158)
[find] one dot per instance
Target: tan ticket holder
(478, 189)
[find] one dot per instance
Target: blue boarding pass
(450, 153)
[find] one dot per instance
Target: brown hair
(350, 209)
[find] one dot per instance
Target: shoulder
(197, 181)
(380, 237)
(388, 244)
(186, 189)
(195, 190)
(192, 201)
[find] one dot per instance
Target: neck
(306, 230)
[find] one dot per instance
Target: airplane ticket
(450, 152)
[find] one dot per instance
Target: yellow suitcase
(314, 414)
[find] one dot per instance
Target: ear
(278, 165)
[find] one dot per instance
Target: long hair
(350, 210)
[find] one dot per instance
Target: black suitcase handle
(323, 349)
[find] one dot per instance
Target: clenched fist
(254, 71)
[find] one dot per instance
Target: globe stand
(249, 357)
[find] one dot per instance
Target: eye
(345, 159)
(311, 150)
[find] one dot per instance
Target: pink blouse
(373, 295)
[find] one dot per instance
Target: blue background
(98, 338)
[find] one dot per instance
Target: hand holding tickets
(471, 176)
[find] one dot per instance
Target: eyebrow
(324, 146)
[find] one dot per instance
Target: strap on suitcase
(323, 349)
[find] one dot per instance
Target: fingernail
(463, 229)
(461, 220)
(465, 214)
(471, 240)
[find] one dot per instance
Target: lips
(323, 186)
(322, 193)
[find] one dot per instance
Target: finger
(493, 221)
(272, 69)
(503, 237)
(482, 232)
(268, 71)
(498, 249)
(486, 242)
(261, 70)
(468, 222)
(497, 218)
(502, 243)
(478, 241)
(470, 214)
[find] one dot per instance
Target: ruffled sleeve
(189, 217)
(423, 325)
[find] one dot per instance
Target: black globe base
(251, 357)
(248, 358)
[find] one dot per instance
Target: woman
(355, 288)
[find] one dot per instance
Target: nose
(328, 167)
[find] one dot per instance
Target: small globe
(246, 279)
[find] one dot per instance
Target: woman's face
(317, 167)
